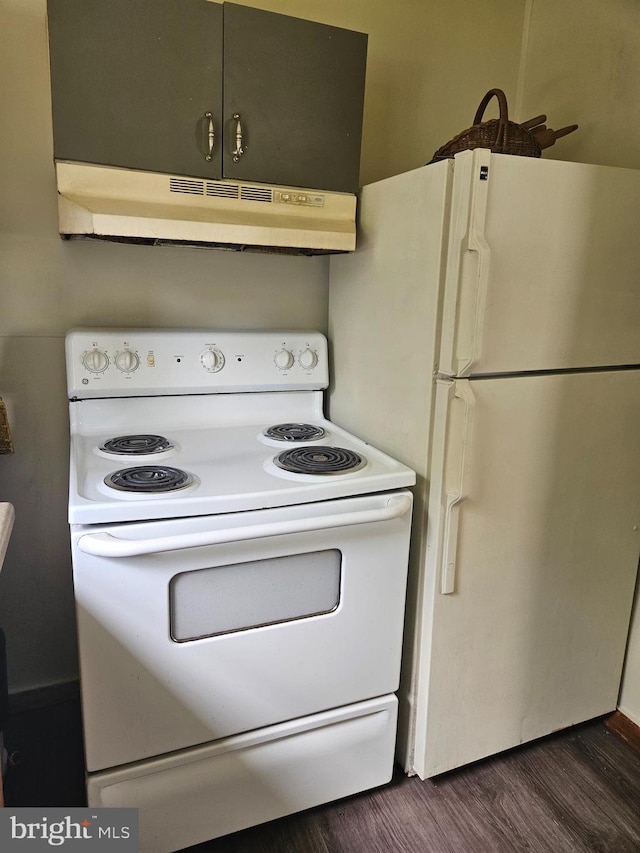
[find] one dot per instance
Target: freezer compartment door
(531, 559)
(542, 266)
(194, 795)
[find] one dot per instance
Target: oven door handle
(107, 545)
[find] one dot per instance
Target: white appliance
(239, 570)
(487, 334)
(112, 203)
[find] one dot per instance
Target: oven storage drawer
(219, 788)
(208, 627)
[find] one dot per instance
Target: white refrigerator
(487, 333)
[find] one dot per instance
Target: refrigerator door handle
(467, 274)
(451, 522)
(477, 242)
(455, 497)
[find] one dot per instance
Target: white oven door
(191, 630)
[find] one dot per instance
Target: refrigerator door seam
(560, 371)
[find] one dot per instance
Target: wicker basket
(500, 135)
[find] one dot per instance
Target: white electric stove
(239, 570)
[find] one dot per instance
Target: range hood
(149, 207)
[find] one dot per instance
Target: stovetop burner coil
(149, 479)
(294, 432)
(136, 445)
(319, 459)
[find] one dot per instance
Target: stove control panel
(139, 362)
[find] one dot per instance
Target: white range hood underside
(107, 202)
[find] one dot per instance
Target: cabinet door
(133, 80)
(298, 88)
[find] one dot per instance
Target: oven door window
(239, 596)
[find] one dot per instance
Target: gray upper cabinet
(190, 87)
(132, 81)
(298, 88)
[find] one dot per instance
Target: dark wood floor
(574, 792)
(570, 793)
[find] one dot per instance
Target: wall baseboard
(43, 697)
(624, 728)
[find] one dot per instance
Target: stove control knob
(212, 360)
(95, 360)
(127, 361)
(308, 359)
(284, 359)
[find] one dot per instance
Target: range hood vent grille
(256, 194)
(222, 190)
(186, 185)
(213, 189)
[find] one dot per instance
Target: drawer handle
(239, 150)
(211, 134)
(107, 545)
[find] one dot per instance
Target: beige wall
(630, 694)
(582, 66)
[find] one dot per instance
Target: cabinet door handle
(211, 134)
(239, 150)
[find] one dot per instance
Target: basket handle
(504, 114)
